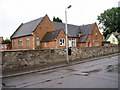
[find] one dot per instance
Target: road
(100, 73)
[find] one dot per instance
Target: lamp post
(66, 33)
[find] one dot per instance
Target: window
(2, 46)
(86, 44)
(5, 46)
(96, 41)
(62, 42)
(27, 42)
(37, 41)
(45, 44)
(14, 43)
(96, 33)
(46, 25)
(20, 43)
(73, 42)
(113, 40)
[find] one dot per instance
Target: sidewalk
(44, 68)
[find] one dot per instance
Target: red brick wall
(45, 26)
(7, 46)
(81, 44)
(1, 39)
(40, 31)
(46, 45)
(61, 35)
(92, 37)
(56, 43)
(23, 42)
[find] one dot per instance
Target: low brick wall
(12, 60)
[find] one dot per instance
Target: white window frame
(20, 42)
(27, 42)
(62, 42)
(73, 42)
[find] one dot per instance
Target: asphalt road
(101, 73)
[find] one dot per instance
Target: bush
(118, 41)
(105, 42)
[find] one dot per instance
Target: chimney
(80, 34)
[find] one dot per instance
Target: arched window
(20, 43)
(96, 41)
(27, 42)
(37, 41)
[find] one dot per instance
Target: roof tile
(27, 28)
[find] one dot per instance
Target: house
(113, 38)
(42, 33)
(5, 45)
(1, 39)
(82, 36)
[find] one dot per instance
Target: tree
(54, 18)
(109, 20)
(7, 39)
(57, 19)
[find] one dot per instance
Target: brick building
(42, 33)
(5, 45)
(1, 39)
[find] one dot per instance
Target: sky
(15, 12)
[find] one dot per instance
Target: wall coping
(53, 49)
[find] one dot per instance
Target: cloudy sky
(15, 12)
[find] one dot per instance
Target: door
(89, 44)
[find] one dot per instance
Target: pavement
(45, 68)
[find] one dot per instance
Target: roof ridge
(75, 25)
(67, 24)
(87, 24)
(33, 20)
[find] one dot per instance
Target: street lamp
(66, 33)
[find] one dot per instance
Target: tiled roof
(50, 36)
(83, 38)
(87, 29)
(27, 28)
(108, 36)
(117, 35)
(5, 42)
(72, 29)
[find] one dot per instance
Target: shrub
(105, 42)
